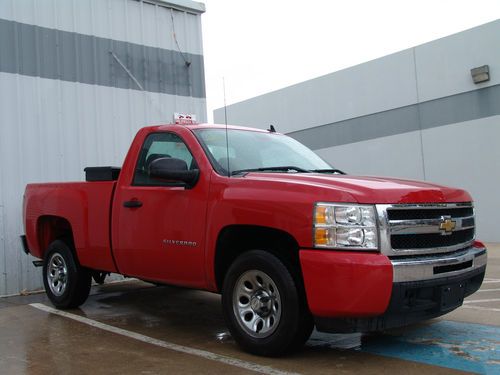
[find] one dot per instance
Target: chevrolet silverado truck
(289, 241)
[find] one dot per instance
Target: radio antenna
(225, 122)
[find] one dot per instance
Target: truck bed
(87, 205)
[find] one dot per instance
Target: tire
(67, 284)
(263, 307)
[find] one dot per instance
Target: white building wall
(145, 23)
(467, 154)
(397, 155)
(51, 129)
(415, 114)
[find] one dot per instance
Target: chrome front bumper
(431, 267)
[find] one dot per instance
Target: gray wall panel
(396, 155)
(67, 56)
(457, 108)
(397, 121)
(58, 51)
(3, 255)
(461, 107)
(7, 63)
(26, 45)
(47, 53)
(474, 169)
(153, 68)
(86, 68)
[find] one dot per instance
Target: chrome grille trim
(421, 226)
(427, 225)
(423, 268)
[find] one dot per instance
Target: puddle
(347, 341)
(224, 337)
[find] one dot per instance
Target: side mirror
(174, 170)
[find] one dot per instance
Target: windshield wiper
(272, 169)
(333, 171)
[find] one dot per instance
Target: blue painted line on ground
(460, 346)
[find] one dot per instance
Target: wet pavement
(135, 327)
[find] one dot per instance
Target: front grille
(428, 228)
(416, 214)
(430, 240)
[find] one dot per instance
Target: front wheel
(263, 308)
(67, 284)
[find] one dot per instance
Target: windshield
(250, 150)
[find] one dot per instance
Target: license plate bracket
(452, 296)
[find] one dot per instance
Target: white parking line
(164, 344)
(481, 308)
(488, 290)
(491, 282)
(482, 300)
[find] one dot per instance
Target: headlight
(345, 226)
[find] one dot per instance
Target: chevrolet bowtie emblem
(447, 225)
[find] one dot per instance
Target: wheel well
(234, 240)
(51, 228)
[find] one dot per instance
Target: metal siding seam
(419, 117)
(158, 52)
(112, 125)
(81, 137)
(23, 260)
(188, 67)
(2, 248)
(40, 160)
(3, 149)
(173, 66)
(94, 88)
(60, 162)
(128, 94)
(16, 153)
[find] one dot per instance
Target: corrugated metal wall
(77, 79)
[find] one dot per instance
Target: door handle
(132, 204)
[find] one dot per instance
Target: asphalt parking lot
(135, 327)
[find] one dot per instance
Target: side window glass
(160, 145)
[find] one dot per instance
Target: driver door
(159, 233)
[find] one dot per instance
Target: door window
(160, 145)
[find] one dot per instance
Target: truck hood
(365, 189)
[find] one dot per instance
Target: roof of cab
(206, 126)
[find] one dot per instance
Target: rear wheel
(67, 284)
(262, 305)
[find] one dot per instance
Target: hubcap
(57, 274)
(257, 304)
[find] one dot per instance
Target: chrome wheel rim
(257, 304)
(57, 274)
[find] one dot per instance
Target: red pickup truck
(289, 241)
